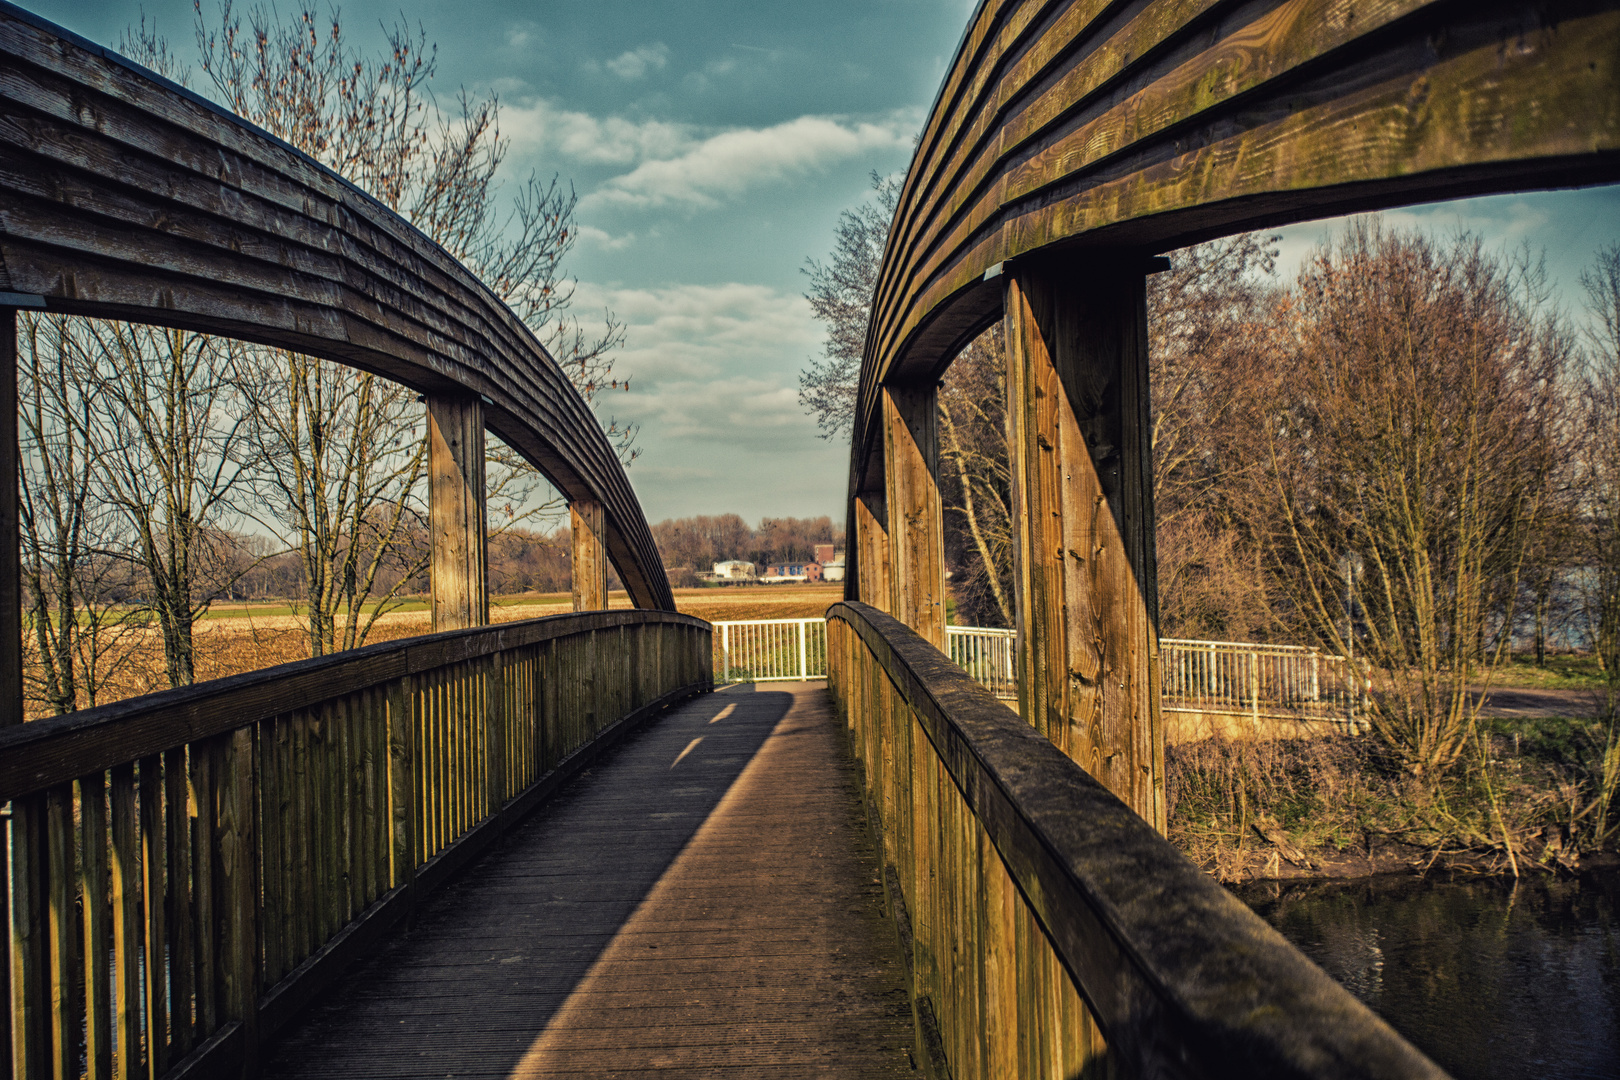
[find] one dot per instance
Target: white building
(733, 570)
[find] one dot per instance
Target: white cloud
(636, 63)
(602, 239)
(727, 164)
(542, 126)
(711, 363)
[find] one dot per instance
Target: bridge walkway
(701, 902)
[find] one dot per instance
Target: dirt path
(1513, 701)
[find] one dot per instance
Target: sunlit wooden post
(916, 520)
(456, 510)
(589, 557)
(1085, 575)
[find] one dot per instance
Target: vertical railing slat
(94, 884)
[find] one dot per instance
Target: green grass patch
(1571, 671)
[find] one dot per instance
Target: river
(1489, 980)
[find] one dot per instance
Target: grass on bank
(1532, 783)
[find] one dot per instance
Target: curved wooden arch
(125, 196)
(1071, 142)
(1128, 129)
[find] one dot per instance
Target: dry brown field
(242, 638)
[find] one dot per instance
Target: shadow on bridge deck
(701, 901)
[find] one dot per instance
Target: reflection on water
(1489, 980)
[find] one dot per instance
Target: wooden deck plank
(700, 903)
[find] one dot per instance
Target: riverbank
(1339, 808)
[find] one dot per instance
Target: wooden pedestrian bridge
(551, 847)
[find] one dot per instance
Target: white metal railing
(1226, 677)
(770, 650)
(987, 654)
(1244, 679)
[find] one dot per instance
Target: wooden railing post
(1082, 491)
(916, 518)
(238, 865)
(403, 797)
(456, 510)
(26, 934)
(589, 559)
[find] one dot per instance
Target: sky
(712, 146)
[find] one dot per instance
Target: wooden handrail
(187, 869)
(1049, 927)
(36, 755)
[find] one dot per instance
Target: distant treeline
(536, 560)
(693, 544)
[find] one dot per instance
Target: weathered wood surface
(11, 597)
(250, 837)
(588, 562)
(124, 196)
(35, 755)
(703, 902)
(1138, 128)
(916, 564)
(1081, 476)
(869, 555)
(1054, 932)
(457, 518)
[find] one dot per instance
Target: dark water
(1489, 980)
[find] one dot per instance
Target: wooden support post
(23, 1040)
(1083, 548)
(916, 520)
(10, 529)
(456, 511)
(870, 552)
(589, 558)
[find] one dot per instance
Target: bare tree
(1599, 513)
(1408, 430)
(1205, 315)
(840, 295)
(339, 455)
(1600, 480)
(78, 624)
(975, 487)
(167, 432)
(343, 453)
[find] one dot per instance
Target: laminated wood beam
(1085, 575)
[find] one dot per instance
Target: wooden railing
(188, 868)
(1049, 930)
